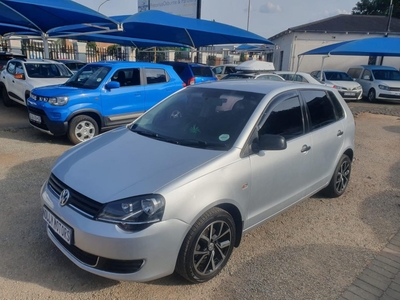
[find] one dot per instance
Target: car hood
(39, 82)
(59, 90)
(121, 164)
(346, 84)
(391, 83)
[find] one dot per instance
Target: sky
(267, 18)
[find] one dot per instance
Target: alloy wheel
(342, 178)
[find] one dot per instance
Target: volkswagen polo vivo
(176, 189)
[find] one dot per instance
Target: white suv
(20, 76)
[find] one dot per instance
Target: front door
(279, 178)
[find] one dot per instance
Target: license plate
(349, 94)
(64, 231)
(35, 118)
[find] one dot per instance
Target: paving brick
(388, 261)
(395, 286)
(381, 271)
(350, 296)
(395, 242)
(392, 293)
(392, 255)
(397, 279)
(377, 276)
(387, 297)
(367, 287)
(385, 266)
(393, 247)
(362, 293)
(374, 282)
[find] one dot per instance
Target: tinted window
(386, 75)
(202, 71)
(354, 72)
(338, 107)
(179, 69)
(229, 70)
(320, 108)
(340, 76)
(155, 76)
(88, 77)
(127, 77)
(47, 70)
(238, 76)
(285, 119)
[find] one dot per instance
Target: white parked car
(176, 189)
(222, 70)
(347, 86)
(20, 76)
(299, 77)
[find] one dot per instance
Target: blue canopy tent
(376, 46)
(165, 27)
(43, 15)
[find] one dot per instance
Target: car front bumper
(106, 250)
(351, 95)
(388, 95)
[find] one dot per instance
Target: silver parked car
(177, 189)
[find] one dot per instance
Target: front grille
(76, 200)
(393, 89)
(36, 111)
(101, 263)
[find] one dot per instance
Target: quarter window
(155, 76)
(320, 108)
(285, 119)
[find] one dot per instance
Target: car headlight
(58, 101)
(358, 88)
(134, 213)
(384, 87)
(34, 97)
(338, 87)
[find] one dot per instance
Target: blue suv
(100, 96)
(192, 73)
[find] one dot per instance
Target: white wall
(297, 43)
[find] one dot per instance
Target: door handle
(305, 148)
(340, 133)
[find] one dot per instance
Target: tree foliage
(376, 7)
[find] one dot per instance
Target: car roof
(292, 72)
(261, 86)
(36, 61)
(374, 67)
(70, 61)
(128, 64)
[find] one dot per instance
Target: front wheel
(82, 128)
(340, 178)
(371, 95)
(6, 100)
(207, 247)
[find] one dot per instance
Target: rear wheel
(6, 100)
(207, 247)
(371, 95)
(82, 128)
(340, 178)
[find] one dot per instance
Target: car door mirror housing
(269, 142)
(112, 85)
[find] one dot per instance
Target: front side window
(18, 68)
(367, 75)
(320, 107)
(89, 77)
(11, 67)
(155, 76)
(217, 70)
(286, 119)
(127, 77)
(199, 117)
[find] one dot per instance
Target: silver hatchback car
(177, 189)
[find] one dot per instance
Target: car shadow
(395, 129)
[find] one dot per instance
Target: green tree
(376, 7)
(242, 57)
(91, 45)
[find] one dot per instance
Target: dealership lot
(312, 251)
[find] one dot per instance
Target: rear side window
(155, 76)
(354, 72)
(285, 119)
(338, 107)
(320, 107)
(179, 69)
(202, 71)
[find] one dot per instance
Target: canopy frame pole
(322, 65)
(46, 51)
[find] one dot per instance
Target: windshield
(199, 117)
(338, 76)
(238, 76)
(89, 77)
(47, 70)
(202, 71)
(386, 75)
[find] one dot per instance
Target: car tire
(82, 128)
(6, 100)
(372, 95)
(207, 246)
(340, 179)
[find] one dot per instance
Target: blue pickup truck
(100, 96)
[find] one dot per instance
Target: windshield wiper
(201, 144)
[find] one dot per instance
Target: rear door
(121, 105)
(325, 116)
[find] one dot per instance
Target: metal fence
(3, 45)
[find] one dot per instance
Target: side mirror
(19, 76)
(366, 77)
(112, 85)
(269, 142)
